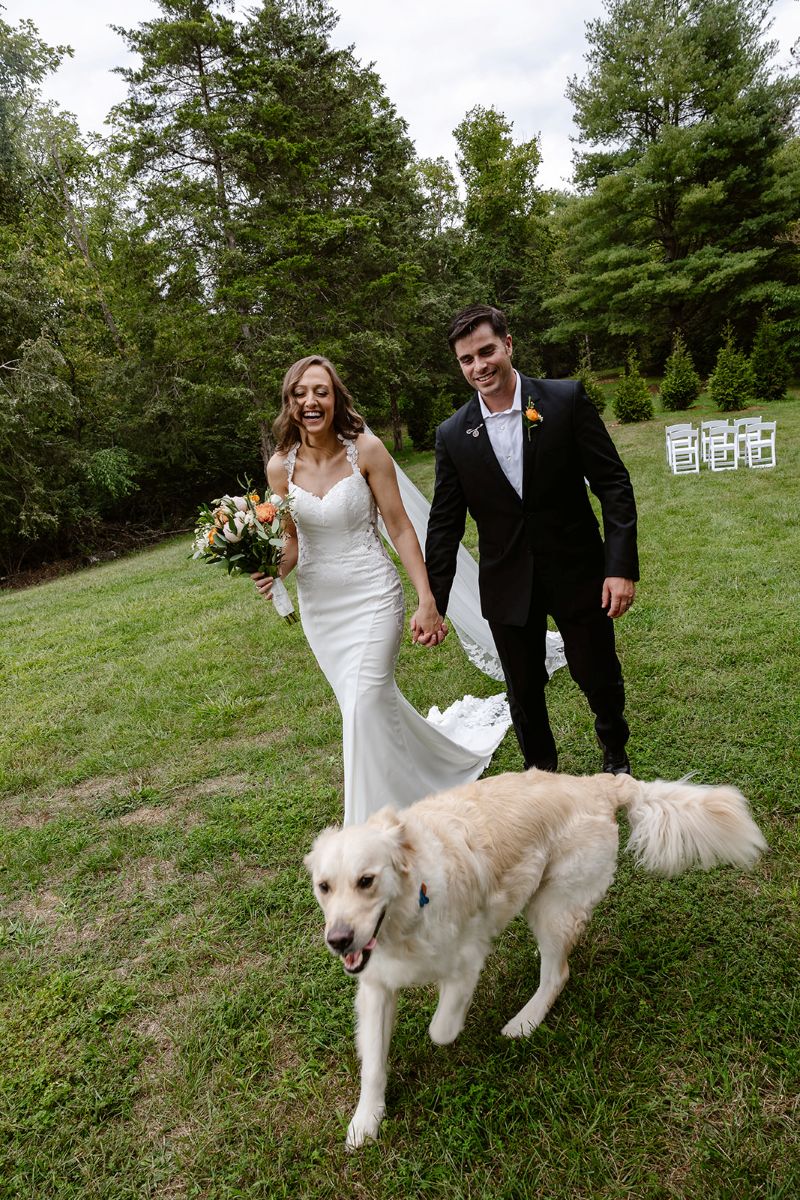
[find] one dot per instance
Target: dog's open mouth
(356, 960)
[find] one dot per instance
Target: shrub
(769, 363)
(632, 400)
(731, 385)
(680, 386)
(589, 380)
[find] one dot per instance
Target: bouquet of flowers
(245, 535)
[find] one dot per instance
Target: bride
(340, 478)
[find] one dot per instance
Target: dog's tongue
(354, 958)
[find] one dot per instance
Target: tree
(632, 401)
(687, 190)
(731, 384)
(507, 239)
(277, 177)
(681, 384)
(589, 379)
(769, 362)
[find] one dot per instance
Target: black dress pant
(591, 655)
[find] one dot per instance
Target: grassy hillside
(171, 1025)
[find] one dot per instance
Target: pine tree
(731, 385)
(681, 384)
(688, 179)
(589, 379)
(770, 365)
(632, 401)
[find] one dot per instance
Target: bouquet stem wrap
(283, 601)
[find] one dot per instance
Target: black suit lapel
(480, 448)
(531, 395)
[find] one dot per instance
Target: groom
(517, 457)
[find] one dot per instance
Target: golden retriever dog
(416, 896)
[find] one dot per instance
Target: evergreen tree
(769, 363)
(275, 178)
(681, 384)
(690, 194)
(589, 379)
(632, 401)
(731, 385)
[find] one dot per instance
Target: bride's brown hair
(346, 420)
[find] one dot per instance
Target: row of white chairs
(721, 445)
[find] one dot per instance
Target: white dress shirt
(505, 434)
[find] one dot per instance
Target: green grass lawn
(171, 1025)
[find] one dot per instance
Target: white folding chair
(683, 451)
(675, 434)
(721, 450)
(760, 445)
(743, 425)
(709, 429)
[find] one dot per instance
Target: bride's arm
(378, 470)
(278, 483)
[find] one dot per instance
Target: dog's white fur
(537, 843)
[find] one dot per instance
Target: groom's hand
(427, 629)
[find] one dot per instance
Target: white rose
(240, 502)
(275, 499)
(231, 535)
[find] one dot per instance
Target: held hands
(427, 627)
(618, 595)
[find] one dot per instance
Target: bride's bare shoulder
(370, 449)
(276, 472)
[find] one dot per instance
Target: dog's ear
(310, 858)
(395, 826)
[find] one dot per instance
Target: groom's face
(485, 361)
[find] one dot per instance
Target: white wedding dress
(352, 609)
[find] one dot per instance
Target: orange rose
(531, 414)
(266, 513)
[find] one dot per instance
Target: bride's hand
(427, 626)
(263, 584)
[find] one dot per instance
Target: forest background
(258, 198)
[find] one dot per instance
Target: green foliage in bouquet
(681, 384)
(241, 533)
(731, 385)
(632, 400)
(769, 362)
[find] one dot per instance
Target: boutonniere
(533, 418)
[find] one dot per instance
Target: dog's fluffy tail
(676, 826)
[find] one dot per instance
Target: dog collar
(424, 898)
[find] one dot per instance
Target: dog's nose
(339, 938)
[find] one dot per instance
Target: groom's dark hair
(465, 321)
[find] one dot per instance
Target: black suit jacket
(551, 531)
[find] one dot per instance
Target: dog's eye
(324, 887)
(366, 881)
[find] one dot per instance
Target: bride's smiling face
(313, 401)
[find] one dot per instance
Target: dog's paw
(515, 1028)
(444, 1030)
(363, 1128)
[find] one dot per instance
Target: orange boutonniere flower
(532, 418)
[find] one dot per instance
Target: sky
(437, 59)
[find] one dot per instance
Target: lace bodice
(337, 531)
